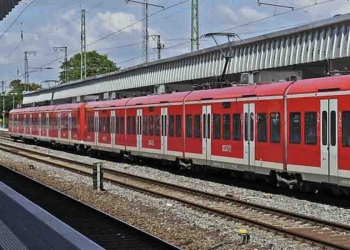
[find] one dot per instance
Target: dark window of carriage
(178, 125)
(324, 128)
(217, 126)
(189, 126)
(171, 126)
(117, 125)
(157, 125)
(310, 128)
(145, 125)
(128, 125)
(333, 128)
(295, 124)
(122, 125)
(227, 127)
(246, 126)
(275, 127)
(151, 126)
(133, 125)
(237, 127)
(262, 127)
(346, 128)
(197, 126)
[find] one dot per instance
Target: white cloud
(242, 15)
(112, 22)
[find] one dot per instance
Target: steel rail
(86, 169)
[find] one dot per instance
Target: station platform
(24, 225)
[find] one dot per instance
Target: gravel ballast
(172, 221)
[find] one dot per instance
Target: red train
(297, 133)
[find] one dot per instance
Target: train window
(90, 124)
(236, 127)
(197, 126)
(74, 123)
(246, 126)
(295, 128)
(333, 128)
(145, 125)
(178, 125)
(310, 128)
(151, 126)
(171, 125)
(133, 125)
(346, 128)
(128, 125)
(275, 127)
(117, 125)
(217, 126)
(227, 127)
(157, 125)
(262, 127)
(122, 125)
(108, 125)
(251, 126)
(324, 128)
(189, 126)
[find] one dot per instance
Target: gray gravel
(327, 212)
(198, 219)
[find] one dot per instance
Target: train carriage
(69, 122)
(319, 128)
(105, 123)
(152, 137)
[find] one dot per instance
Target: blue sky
(50, 23)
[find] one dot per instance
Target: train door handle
(324, 159)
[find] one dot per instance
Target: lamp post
(13, 100)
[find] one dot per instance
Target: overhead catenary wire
(18, 16)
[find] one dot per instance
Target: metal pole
(83, 46)
(3, 111)
(25, 70)
(13, 101)
(66, 62)
(194, 25)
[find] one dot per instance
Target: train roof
(155, 99)
(46, 108)
(271, 89)
(332, 83)
(109, 103)
(69, 106)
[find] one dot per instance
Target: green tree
(16, 93)
(96, 64)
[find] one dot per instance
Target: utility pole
(194, 25)
(83, 46)
(3, 87)
(65, 60)
(145, 36)
(26, 68)
(159, 47)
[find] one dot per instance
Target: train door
(59, 125)
(206, 128)
(329, 133)
(139, 129)
(112, 128)
(96, 127)
(30, 123)
(164, 140)
(47, 124)
(249, 132)
(69, 126)
(40, 124)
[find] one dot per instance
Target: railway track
(107, 231)
(303, 228)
